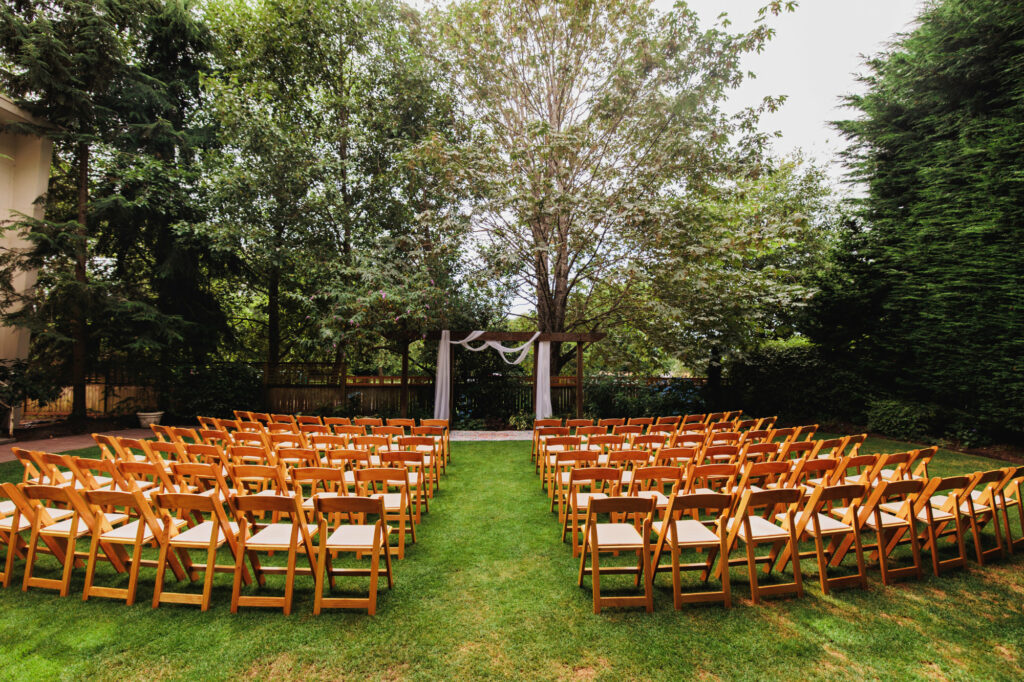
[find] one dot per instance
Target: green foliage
(624, 396)
(797, 382)
(21, 380)
(212, 390)
(926, 291)
(903, 420)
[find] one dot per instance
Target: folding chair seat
(602, 482)
(20, 517)
(658, 483)
(358, 537)
(886, 525)
(618, 537)
(822, 527)
(754, 530)
(378, 484)
(84, 521)
(676, 533)
(146, 529)
(292, 537)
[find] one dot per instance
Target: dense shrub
(212, 390)
(795, 382)
(616, 396)
(903, 419)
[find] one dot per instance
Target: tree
(320, 103)
(71, 63)
(592, 120)
(925, 293)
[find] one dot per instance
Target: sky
(813, 59)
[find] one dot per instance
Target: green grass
(490, 592)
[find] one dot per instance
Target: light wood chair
(143, 531)
(1009, 497)
(753, 530)
(602, 482)
(21, 519)
(823, 528)
(676, 534)
(211, 535)
(255, 537)
(358, 537)
(392, 486)
(84, 521)
(623, 536)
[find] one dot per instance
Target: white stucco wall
(24, 174)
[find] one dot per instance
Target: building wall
(24, 174)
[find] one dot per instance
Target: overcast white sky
(813, 60)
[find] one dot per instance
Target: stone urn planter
(147, 418)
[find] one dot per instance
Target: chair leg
(90, 569)
(752, 570)
(133, 574)
(289, 584)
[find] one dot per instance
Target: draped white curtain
(442, 381)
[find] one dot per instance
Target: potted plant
(144, 410)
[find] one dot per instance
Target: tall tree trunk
(274, 318)
(80, 323)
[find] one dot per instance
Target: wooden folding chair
(640, 421)
(978, 506)
(619, 537)
(21, 519)
(611, 422)
(759, 452)
(658, 483)
(940, 509)
(1008, 497)
(754, 530)
(419, 479)
(602, 482)
(368, 422)
(322, 482)
(626, 461)
(576, 424)
(886, 525)
(337, 421)
(433, 459)
(677, 533)
(565, 462)
(84, 521)
(446, 440)
(397, 505)
(31, 467)
(291, 537)
(822, 528)
(143, 531)
(201, 534)
(358, 537)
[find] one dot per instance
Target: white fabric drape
(442, 380)
(543, 386)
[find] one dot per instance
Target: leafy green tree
(591, 121)
(77, 66)
(925, 294)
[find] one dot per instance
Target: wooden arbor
(580, 340)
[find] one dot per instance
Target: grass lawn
(490, 592)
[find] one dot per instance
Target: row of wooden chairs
(179, 524)
(664, 510)
(230, 431)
